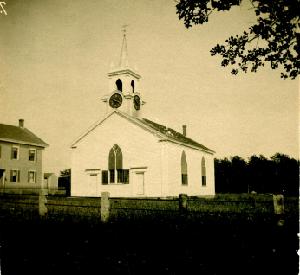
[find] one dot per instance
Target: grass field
(216, 245)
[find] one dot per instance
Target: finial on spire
(124, 29)
(124, 57)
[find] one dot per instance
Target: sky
(55, 56)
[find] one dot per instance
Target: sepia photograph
(149, 137)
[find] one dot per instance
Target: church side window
(203, 171)
(119, 85)
(184, 175)
(115, 172)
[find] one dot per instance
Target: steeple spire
(124, 85)
(124, 55)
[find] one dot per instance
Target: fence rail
(110, 209)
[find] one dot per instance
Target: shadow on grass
(223, 245)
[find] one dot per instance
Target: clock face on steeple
(137, 102)
(115, 100)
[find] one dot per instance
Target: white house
(130, 156)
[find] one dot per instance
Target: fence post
(42, 204)
(182, 202)
(253, 199)
(278, 202)
(105, 207)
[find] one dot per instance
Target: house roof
(163, 132)
(16, 134)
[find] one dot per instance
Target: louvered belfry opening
(132, 85)
(119, 85)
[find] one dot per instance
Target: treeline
(277, 175)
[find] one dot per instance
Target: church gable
(139, 145)
(112, 156)
(160, 131)
(115, 125)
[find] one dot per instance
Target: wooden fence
(106, 209)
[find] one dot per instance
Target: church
(131, 156)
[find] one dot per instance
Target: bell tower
(124, 85)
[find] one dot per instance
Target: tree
(274, 38)
(277, 175)
(239, 178)
(286, 172)
(260, 174)
(223, 175)
(65, 173)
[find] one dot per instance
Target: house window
(203, 171)
(32, 154)
(31, 176)
(132, 85)
(15, 152)
(14, 175)
(115, 172)
(184, 176)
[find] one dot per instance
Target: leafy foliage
(65, 172)
(279, 174)
(275, 38)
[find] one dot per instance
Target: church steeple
(123, 63)
(124, 87)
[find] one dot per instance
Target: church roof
(16, 134)
(163, 132)
(170, 133)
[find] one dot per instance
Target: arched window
(203, 171)
(184, 176)
(119, 85)
(111, 165)
(115, 173)
(132, 85)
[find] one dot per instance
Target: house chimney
(184, 130)
(21, 122)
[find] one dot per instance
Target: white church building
(131, 156)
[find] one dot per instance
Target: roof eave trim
(159, 135)
(188, 145)
(90, 129)
(122, 71)
(162, 136)
(141, 125)
(44, 145)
